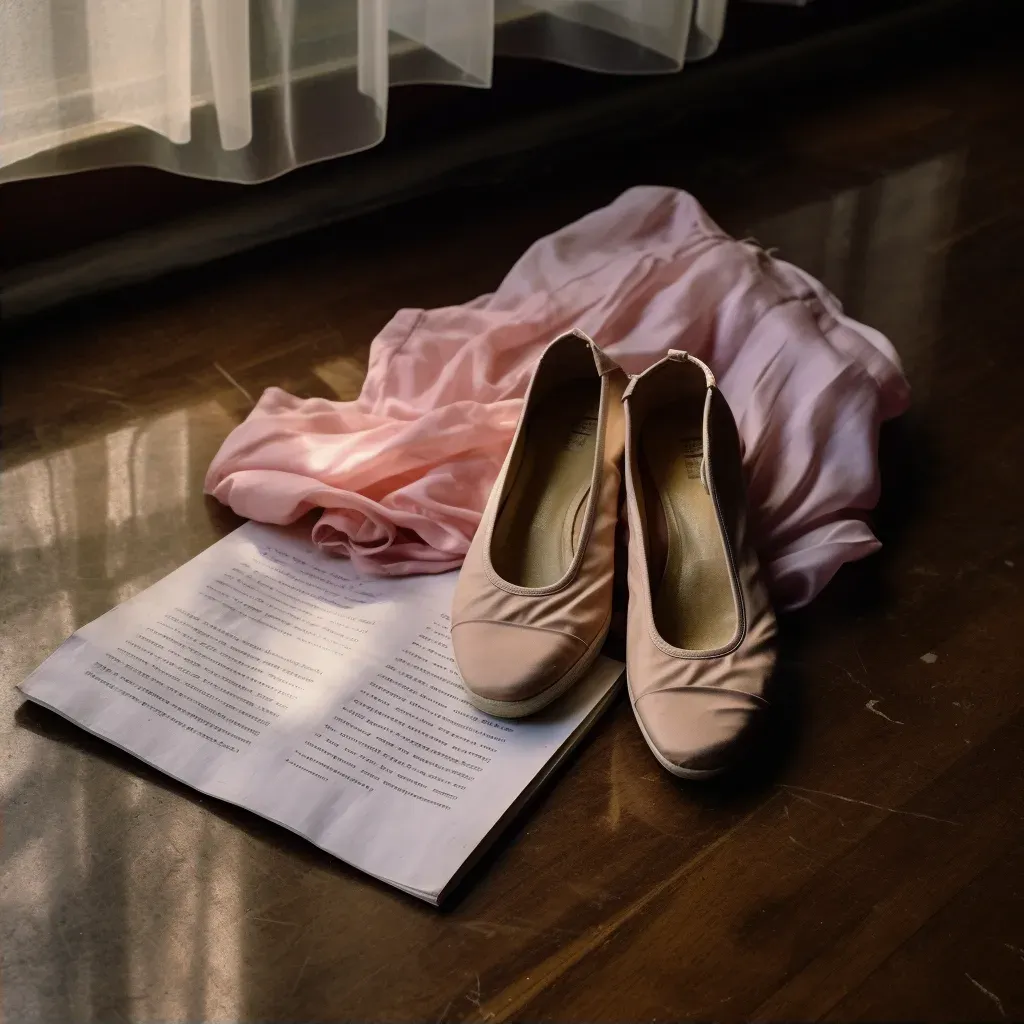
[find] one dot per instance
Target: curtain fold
(245, 90)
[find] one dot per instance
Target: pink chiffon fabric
(403, 472)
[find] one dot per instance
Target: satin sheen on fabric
(403, 472)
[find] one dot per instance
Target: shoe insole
(693, 600)
(538, 528)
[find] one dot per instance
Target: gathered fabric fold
(402, 473)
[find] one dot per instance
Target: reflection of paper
(266, 674)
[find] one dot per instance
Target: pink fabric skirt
(403, 472)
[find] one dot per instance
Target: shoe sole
(674, 769)
(531, 705)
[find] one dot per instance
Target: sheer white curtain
(243, 90)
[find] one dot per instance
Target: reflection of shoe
(700, 643)
(533, 601)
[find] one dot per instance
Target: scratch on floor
(805, 800)
(234, 383)
(91, 389)
(298, 977)
(881, 714)
(863, 667)
(112, 396)
(852, 677)
(489, 929)
(800, 846)
(981, 988)
(475, 996)
(867, 803)
(1015, 949)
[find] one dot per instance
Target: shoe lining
(692, 595)
(538, 529)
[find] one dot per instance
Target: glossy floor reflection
(871, 866)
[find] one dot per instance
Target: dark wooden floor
(869, 864)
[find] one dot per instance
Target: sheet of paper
(271, 676)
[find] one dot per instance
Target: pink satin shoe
(533, 602)
(701, 632)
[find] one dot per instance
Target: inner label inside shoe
(582, 429)
(693, 453)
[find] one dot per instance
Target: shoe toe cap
(697, 731)
(509, 663)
